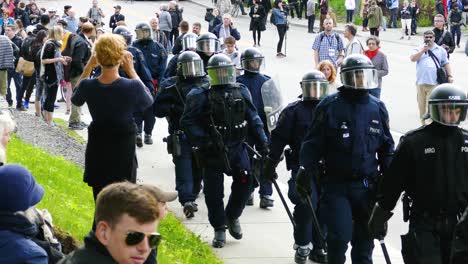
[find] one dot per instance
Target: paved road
(268, 233)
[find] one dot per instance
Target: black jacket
(80, 50)
(430, 164)
(114, 19)
(92, 252)
(447, 40)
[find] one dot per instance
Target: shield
(272, 102)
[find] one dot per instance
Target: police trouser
(428, 240)
(148, 117)
(213, 180)
(186, 172)
(345, 207)
(303, 231)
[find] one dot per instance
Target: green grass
(70, 201)
(72, 133)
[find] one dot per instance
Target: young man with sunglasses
(127, 218)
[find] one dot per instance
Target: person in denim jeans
(280, 23)
(392, 23)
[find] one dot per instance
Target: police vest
(227, 108)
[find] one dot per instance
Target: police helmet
(208, 43)
(252, 60)
(190, 65)
(448, 104)
(358, 72)
(314, 86)
(143, 31)
(221, 70)
(189, 41)
(124, 32)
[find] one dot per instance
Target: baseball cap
(52, 10)
(67, 7)
(117, 7)
(18, 189)
(159, 194)
(30, 29)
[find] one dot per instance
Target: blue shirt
(328, 46)
(72, 24)
(426, 69)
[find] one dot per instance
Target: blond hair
(328, 63)
(56, 33)
(109, 49)
(6, 124)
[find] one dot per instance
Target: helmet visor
(360, 79)
(189, 43)
(448, 113)
(313, 90)
(191, 69)
(222, 75)
(208, 45)
(253, 65)
(143, 33)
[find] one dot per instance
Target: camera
(209, 10)
(427, 42)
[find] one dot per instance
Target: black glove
(303, 183)
(268, 169)
(377, 224)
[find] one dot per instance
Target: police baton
(276, 187)
(315, 223)
(384, 250)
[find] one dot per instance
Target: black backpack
(338, 39)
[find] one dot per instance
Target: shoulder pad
(329, 99)
(464, 131)
(414, 131)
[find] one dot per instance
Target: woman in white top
(329, 71)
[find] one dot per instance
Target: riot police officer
(169, 103)
(217, 121)
(189, 42)
(430, 166)
(139, 62)
(206, 46)
(350, 134)
(290, 130)
(252, 60)
(156, 58)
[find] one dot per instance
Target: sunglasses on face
(134, 238)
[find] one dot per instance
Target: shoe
(258, 45)
(26, 104)
(234, 228)
(75, 126)
(139, 141)
(219, 239)
(409, 37)
(244, 14)
(302, 252)
(255, 45)
(458, 45)
(189, 209)
(250, 201)
(318, 255)
(83, 124)
(21, 108)
(61, 100)
(266, 201)
(67, 112)
(412, 33)
(148, 140)
(401, 37)
(10, 104)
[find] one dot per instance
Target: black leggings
(51, 95)
(256, 37)
(281, 32)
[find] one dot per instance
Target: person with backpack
(27, 54)
(442, 36)
(328, 45)
(455, 20)
(95, 14)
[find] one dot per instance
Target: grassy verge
(70, 202)
(72, 133)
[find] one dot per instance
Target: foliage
(70, 201)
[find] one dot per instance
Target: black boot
(318, 255)
(266, 201)
(219, 239)
(189, 209)
(302, 252)
(234, 228)
(139, 141)
(250, 201)
(148, 140)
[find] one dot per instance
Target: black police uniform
(430, 165)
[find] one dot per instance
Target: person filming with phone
(429, 58)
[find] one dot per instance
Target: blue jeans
(345, 206)
(393, 18)
(18, 79)
(456, 33)
(185, 172)
(304, 232)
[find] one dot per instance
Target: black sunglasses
(134, 238)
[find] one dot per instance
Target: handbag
(441, 73)
(24, 67)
